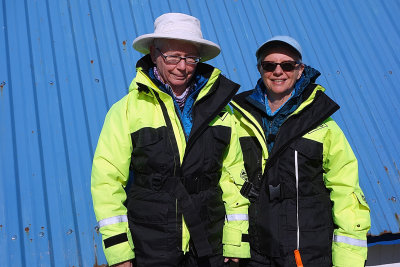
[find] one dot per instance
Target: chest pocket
(218, 140)
(150, 150)
(310, 150)
(314, 199)
(309, 165)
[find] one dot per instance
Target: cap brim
(208, 49)
(272, 42)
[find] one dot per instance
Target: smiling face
(279, 83)
(176, 75)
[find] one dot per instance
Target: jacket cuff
(233, 244)
(347, 255)
(118, 247)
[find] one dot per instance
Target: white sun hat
(178, 26)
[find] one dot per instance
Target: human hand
(231, 259)
(124, 264)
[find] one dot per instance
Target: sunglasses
(286, 65)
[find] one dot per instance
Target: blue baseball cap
(282, 39)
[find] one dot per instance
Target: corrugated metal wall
(64, 63)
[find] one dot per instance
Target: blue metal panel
(64, 63)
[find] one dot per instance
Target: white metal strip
(113, 220)
(237, 217)
(350, 241)
(296, 166)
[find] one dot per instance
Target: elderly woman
(306, 203)
(175, 133)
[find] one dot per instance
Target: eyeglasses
(176, 59)
(285, 65)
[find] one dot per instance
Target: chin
(280, 90)
(180, 83)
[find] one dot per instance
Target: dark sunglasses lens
(288, 66)
(268, 66)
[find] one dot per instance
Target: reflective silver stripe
(237, 217)
(350, 241)
(113, 220)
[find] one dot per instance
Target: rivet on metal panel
(393, 199)
(390, 72)
(41, 234)
(386, 169)
(96, 80)
(51, 82)
(96, 228)
(91, 61)
(69, 232)
(27, 229)
(14, 237)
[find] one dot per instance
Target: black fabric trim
(208, 107)
(245, 238)
(145, 63)
(174, 186)
(115, 240)
(143, 88)
(171, 136)
(297, 125)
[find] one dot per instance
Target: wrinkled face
(280, 83)
(177, 75)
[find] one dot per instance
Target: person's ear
(153, 54)
(260, 70)
(301, 69)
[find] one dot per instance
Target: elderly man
(306, 203)
(176, 135)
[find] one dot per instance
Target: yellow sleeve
(350, 210)
(236, 206)
(110, 174)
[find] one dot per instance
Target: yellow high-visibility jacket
(306, 190)
(143, 133)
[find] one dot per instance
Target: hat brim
(208, 49)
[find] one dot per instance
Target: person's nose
(278, 70)
(181, 64)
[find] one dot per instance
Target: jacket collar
(315, 107)
(214, 95)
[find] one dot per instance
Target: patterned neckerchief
(180, 100)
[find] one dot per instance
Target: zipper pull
(297, 257)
